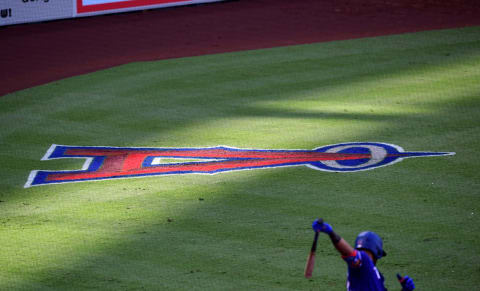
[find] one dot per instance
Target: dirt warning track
(35, 54)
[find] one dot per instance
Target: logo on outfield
(102, 163)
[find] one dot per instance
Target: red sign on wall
(88, 6)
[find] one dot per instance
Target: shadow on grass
(254, 233)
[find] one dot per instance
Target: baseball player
(363, 274)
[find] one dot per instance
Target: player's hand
(319, 226)
(406, 282)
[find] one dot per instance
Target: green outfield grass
(250, 230)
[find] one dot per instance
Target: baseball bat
(401, 280)
(311, 257)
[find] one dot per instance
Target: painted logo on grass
(102, 163)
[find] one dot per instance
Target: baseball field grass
(250, 230)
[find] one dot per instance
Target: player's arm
(342, 246)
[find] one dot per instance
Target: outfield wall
(25, 11)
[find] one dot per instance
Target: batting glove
(322, 227)
(406, 282)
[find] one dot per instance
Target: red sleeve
(354, 260)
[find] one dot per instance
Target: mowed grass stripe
(250, 229)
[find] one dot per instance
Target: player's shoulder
(355, 259)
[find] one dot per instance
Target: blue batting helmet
(370, 241)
